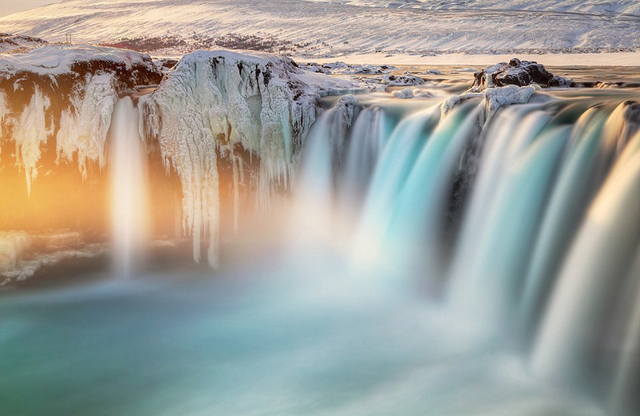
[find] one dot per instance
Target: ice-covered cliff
(221, 105)
(59, 99)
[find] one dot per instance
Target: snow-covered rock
(516, 72)
(78, 60)
(316, 67)
(398, 80)
(18, 43)
(496, 98)
(215, 105)
(492, 100)
(422, 95)
(410, 93)
(403, 94)
(61, 97)
(341, 68)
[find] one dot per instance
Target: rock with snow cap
(516, 72)
(65, 93)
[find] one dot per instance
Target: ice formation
(410, 93)
(341, 68)
(83, 127)
(22, 254)
(403, 94)
(30, 133)
(12, 246)
(66, 93)
(493, 99)
(215, 104)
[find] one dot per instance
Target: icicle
(214, 99)
(29, 134)
(4, 111)
(83, 128)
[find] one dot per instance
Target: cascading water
(129, 188)
(449, 260)
(534, 242)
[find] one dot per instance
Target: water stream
(424, 265)
(129, 189)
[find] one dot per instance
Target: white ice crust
(59, 59)
(493, 99)
(216, 100)
(84, 130)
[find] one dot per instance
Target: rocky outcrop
(516, 72)
(58, 99)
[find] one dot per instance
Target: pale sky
(13, 6)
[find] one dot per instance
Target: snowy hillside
(17, 43)
(629, 7)
(324, 28)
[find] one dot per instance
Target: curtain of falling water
(549, 228)
(129, 188)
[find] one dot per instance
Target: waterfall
(526, 223)
(129, 188)
(592, 281)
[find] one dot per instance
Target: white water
(129, 188)
(432, 266)
(524, 269)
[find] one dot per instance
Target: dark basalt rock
(519, 73)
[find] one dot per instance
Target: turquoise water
(285, 337)
(461, 268)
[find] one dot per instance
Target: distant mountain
(334, 28)
(565, 6)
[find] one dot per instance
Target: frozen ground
(375, 30)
